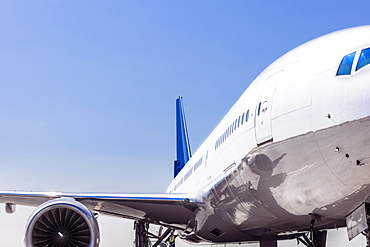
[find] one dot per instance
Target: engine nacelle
(62, 222)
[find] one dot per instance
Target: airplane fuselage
(295, 143)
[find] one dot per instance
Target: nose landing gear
(314, 238)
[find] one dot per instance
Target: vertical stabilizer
(183, 152)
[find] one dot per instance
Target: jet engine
(62, 222)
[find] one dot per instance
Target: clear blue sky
(88, 88)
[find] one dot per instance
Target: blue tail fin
(182, 140)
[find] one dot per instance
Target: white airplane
(290, 160)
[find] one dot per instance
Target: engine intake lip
(62, 222)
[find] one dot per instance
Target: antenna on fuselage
(183, 153)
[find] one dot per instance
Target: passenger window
(346, 64)
(364, 58)
(259, 108)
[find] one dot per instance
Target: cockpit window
(346, 64)
(364, 58)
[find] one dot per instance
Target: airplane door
(263, 129)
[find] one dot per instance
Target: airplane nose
(344, 138)
(339, 99)
(358, 95)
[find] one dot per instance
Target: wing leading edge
(173, 210)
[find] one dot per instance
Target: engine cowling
(62, 222)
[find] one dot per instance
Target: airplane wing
(173, 210)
